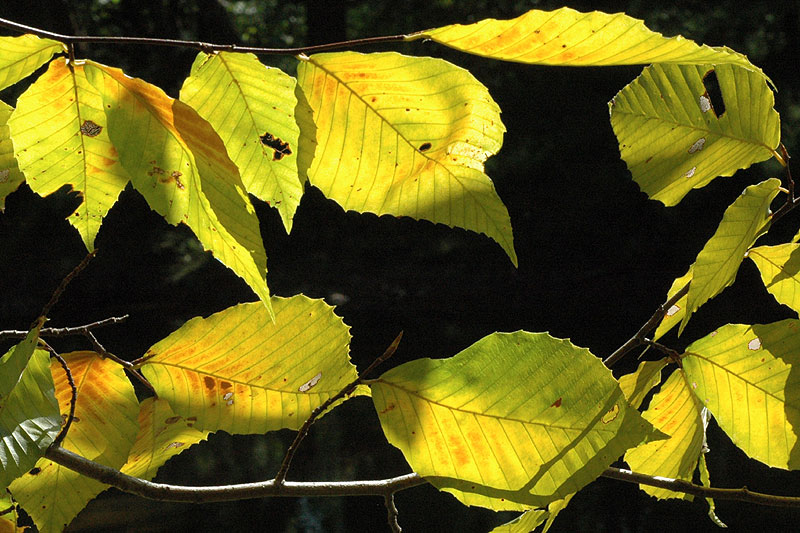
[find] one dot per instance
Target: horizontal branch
(379, 487)
(67, 331)
(206, 47)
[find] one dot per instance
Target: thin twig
(99, 348)
(205, 47)
(7, 510)
(392, 514)
(673, 355)
(280, 477)
(73, 398)
(66, 331)
(64, 282)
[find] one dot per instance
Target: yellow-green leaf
(20, 56)
(675, 411)
(746, 219)
(571, 38)
(238, 372)
(8, 520)
(780, 271)
(405, 136)
(677, 311)
(705, 479)
(60, 138)
(10, 176)
(517, 420)
(252, 109)
(29, 419)
(746, 377)
(103, 430)
(179, 164)
(671, 137)
(637, 385)
(524, 523)
(162, 435)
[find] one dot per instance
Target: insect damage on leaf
(712, 98)
(281, 147)
(90, 129)
(698, 145)
(4, 175)
(305, 387)
(424, 147)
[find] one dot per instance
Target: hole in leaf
(305, 387)
(280, 147)
(713, 93)
(424, 147)
(35, 470)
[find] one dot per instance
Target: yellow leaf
(677, 311)
(179, 164)
(10, 176)
(780, 271)
(405, 136)
(636, 386)
(237, 371)
(103, 430)
(21, 56)
(61, 140)
(252, 109)
(162, 435)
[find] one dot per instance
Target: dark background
(595, 256)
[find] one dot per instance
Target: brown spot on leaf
(556, 403)
(280, 147)
(610, 415)
(388, 408)
(177, 177)
(172, 419)
(225, 384)
(174, 445)
(425, 147)
(210, 383)
(90, 129)
(35, 470)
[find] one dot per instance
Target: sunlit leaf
(637, 385)
(716, 265)
(676, 311)
(21, 56)
(675, 411)
(780, 271)
(237, 371)
(60, 139)
(251, 107)
(705, 479)
(179, 164)
(103, 430)
(29, 420)
(405, 136)
(570, 38)
(517, 420)
(747, 377)
(10, 176)
(8, 520)
(671, 137)
(162, 435)
(527, 521)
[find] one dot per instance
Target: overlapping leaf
(162, 435)
(637, 385)
(179, 164)
(20, 56)
(406, 136)
(671, 137)
(8, 520)
(252, 108)
(677, 311)
(103, 430)
(10, 176)
(780, 271)
(60, 138)
(675, 411)
(716, 265)
(29, 420)
(747, 377)
(236, 371)
(524, 523)
(571, 38)
(515, 421)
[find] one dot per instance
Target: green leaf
(10, 176)
(21, 56)
(705, 479)
(780, 271)
(636, 386)
(238, 372)
(671, 137)
(103, 430)
(29, 418)
(747, 377)
(61, 140)
(524, 523)
(405, 136)
(252, 108)
(517, 420)
(746, 219)
(8, 520)
(571, 38)
(675, 411)
(162, 435)
(179, 164)
(677, 311)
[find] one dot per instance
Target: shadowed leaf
(780, 271)
(10, 176)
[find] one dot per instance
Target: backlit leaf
(61, 140)
(162, 434)
(671, 137)
(571, 38)
(705, 479)
(780, 271)
(527, 521)
(716, 265)
(179, 164)
(8, 520)
(29, 420)
(747, 377)
(637, 385)
(251, 107)
(103, 430)
(20, 56)
(405, 136)
(238, 372)
(517, 420)
(677, 311)
(10, 176)
(675, 411)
